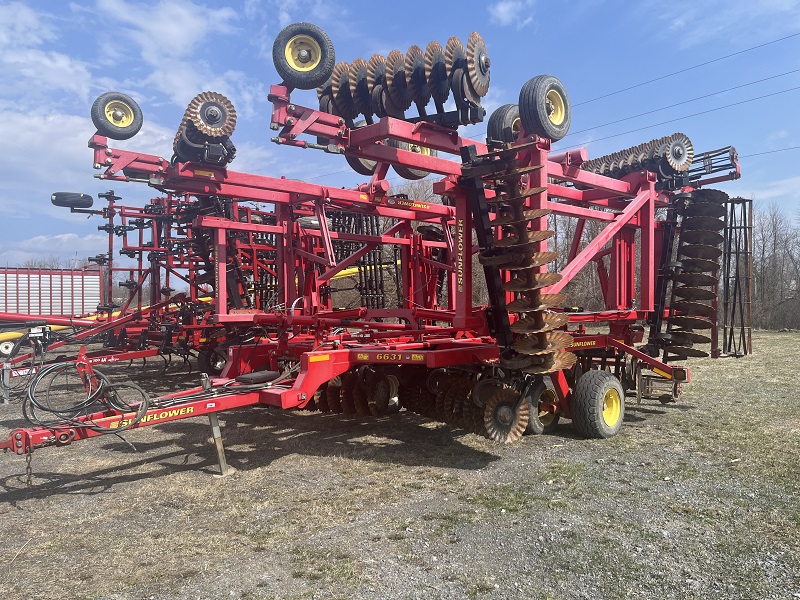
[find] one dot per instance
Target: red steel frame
(326, 342)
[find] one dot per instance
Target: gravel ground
(692, 500)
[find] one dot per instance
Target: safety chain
(28, 468)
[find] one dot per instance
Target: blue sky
(56, 57)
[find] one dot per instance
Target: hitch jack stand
(224, 468)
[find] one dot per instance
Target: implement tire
(598, 405)
(504, 124)
(544, 107)
(303, 55)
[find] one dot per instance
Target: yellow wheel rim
(556, 107)
(303, 53)
(545, 416)
(612, 407)
(420, 149)
(516, 127)
(118, 113)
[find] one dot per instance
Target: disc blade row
(692, 311)
(666, 156)
(390, 85)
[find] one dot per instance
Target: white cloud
(783, 191)
(28, 72)
(172, 29)
(689, 23)
(66, 245)
(511, 12)
(23, 27)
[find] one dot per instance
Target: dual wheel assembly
(544, 110)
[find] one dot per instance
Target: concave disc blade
(696, 279)
(691, 322)
(707, 238)
(703, 223)
(705, 209)
(693, 309)
(700, 251)
(693, 293)
(686, 351)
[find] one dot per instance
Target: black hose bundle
(57, 398)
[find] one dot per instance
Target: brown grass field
(699, 499)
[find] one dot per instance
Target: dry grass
(695, 500)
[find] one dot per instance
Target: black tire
(334, 395)
(362, 166)
(408, 172)
(322, 56)
(503, 124)
(212, 362)
(544, 107)
(348, 391)
(116, 115)
(593, 399)
(539, 423)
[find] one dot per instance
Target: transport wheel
(505, 417)
(544, 107)
(598, 405)
(213, 361)
(362, 166)
(504, 124)
(408, 172)
(541, 419)
(116, 115)
(303, 55)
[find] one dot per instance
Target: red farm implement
(266, 260)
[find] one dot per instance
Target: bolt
(18, 436)
(160, 169)
(291, 108)
(293, 136)
(290, 121)
(484, 63)
(213, 114)
(117, 115)
(304, 56)
(108, 161)
(109, 152)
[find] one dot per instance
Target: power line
(702, 112)
(655, 110)
(770, 152)
(703, 64)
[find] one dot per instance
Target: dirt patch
(694, 500)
